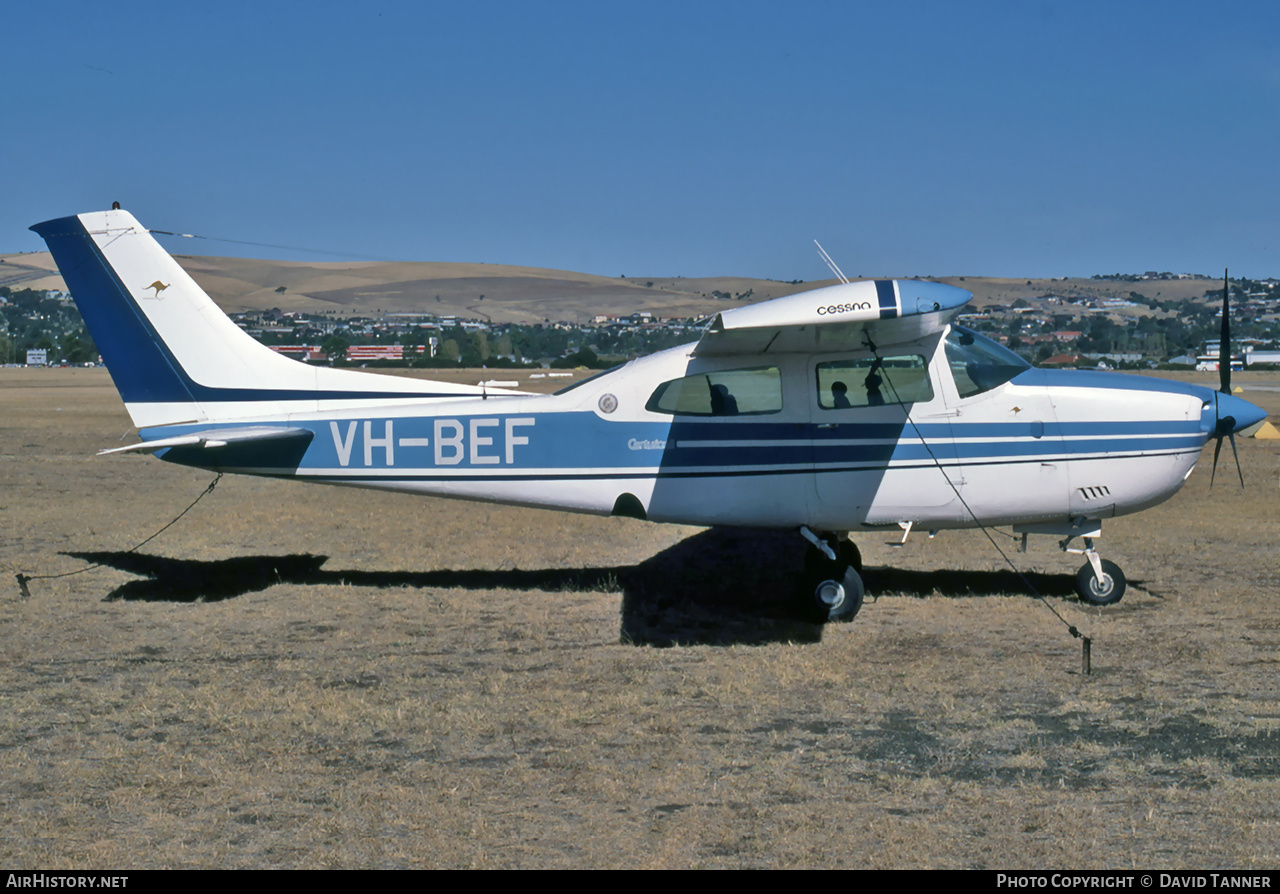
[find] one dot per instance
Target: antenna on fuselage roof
(830, 263)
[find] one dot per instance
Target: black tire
(832, 591)
(848, 553)
(1109, 591)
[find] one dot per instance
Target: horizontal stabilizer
(220, 437)
(838, 318)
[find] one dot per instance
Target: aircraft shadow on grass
(722, 586)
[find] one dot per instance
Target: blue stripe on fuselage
(503, 444)
(1092, 378)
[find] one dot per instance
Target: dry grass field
(323, 677)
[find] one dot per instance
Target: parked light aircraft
(852, 407)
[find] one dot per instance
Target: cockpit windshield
(979, 364)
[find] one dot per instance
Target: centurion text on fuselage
(854, 406)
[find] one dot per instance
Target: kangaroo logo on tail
(158, 286)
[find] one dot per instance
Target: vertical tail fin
(173, 355)
(144, 371)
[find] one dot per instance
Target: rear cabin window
(729, 392)
(871, 382)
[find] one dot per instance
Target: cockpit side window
(728, 392)
(979, 364)
(873, 382)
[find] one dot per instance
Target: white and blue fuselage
(857, 405)
(1043, 446)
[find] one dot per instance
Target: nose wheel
(1102, 586)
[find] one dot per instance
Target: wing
(838, 318)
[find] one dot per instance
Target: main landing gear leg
(832, 585)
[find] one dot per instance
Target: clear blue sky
(656, 138)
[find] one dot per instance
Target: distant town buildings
(1074, 325)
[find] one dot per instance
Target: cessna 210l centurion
(851, 407)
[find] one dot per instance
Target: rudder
(143, 370)
(174, 355)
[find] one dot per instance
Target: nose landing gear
(1099, 581)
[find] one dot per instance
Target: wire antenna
(1087, 642)
(313, 251)
(830, 263)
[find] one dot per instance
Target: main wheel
(1107, 591)
(832, 591)
(848, 553)
(839, 597)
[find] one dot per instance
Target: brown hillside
(532, 294)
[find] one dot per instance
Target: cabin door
(881, 439)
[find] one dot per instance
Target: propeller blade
(1216, 450)
(1232, 436)
(1224, 346)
